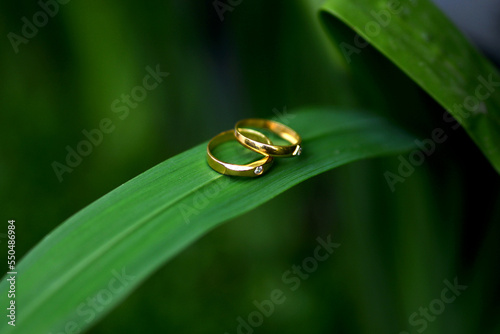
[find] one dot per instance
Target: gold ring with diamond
(267, 148)
(253, 169)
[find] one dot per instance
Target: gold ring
(253, 169)
(268, 148)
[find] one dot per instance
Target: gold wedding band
(268, 148)
(253, 169)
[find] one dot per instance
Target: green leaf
(98, 256)
(423, 43)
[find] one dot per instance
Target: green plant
(133, 230)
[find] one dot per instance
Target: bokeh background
(265, 58)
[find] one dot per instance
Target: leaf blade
(424, 44)
(137, 227)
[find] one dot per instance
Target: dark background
(396, 248)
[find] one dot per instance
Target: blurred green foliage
(397, 248)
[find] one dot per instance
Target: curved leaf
(94, 259)
(423, 43)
